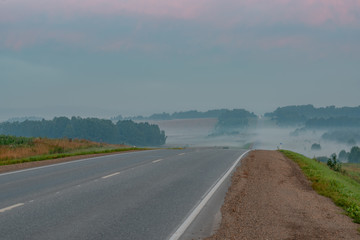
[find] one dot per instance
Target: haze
(103, 58)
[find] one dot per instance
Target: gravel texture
(270, 198)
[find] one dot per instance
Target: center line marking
(181, 154)
(11, 207)
(159, 160)
(111, 175)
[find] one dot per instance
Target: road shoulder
(270, 198)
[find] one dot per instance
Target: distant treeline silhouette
(299, 115)
(94, 129)
(338, 122)
(177, 115)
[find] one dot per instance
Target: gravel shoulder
(270, 198)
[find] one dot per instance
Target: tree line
(176, 115)
(94, 129)
(296, 115)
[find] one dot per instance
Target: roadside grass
(352, 170)
(340, 187)
(69, 154)
(20, 150)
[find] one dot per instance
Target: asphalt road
(139, 195)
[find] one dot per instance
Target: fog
(281, 138)
(265, 135)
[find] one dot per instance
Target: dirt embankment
(270, 198)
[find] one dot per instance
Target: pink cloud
(225, 12)
(224, 16)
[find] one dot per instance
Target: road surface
(138, 195)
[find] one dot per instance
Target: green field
(343, 188)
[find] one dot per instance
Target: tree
(354, 156)
(316, 146)
(343, 155)
(94, 129)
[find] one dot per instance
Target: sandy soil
(271, 199)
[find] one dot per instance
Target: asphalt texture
(138, 195)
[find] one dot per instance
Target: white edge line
(180, 231)
(11, 207)
(70, 162)
(159, 160)
(111, 175)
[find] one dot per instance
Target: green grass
(341, 188)
(6, 140)
(352, 170)
(69, 154)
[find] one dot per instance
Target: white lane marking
(181, 154)
(111, 175)
(75, 161)
(11, 207)
(180, 231)
(159, 160)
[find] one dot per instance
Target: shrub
(334, 164)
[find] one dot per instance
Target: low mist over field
(297, 128)
(314, 132)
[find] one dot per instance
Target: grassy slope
(353, 170)
(13, 151)
(342, 189)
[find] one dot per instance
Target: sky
(103, 58)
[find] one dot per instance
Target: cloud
(20, 39)
(313, 12)
(236, 24)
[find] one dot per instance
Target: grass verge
(70, 154)
(342, 189)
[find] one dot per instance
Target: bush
(6, 140)
(334, 164)
(57, 149)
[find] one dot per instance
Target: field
(342, 188)
(19, 149)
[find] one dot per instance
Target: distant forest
(311, 116)
(233, 121)
(176, 115)
(94, 129)
(341, 124)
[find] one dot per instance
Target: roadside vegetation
(352, 170)
(343, 187)
(21, 149)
